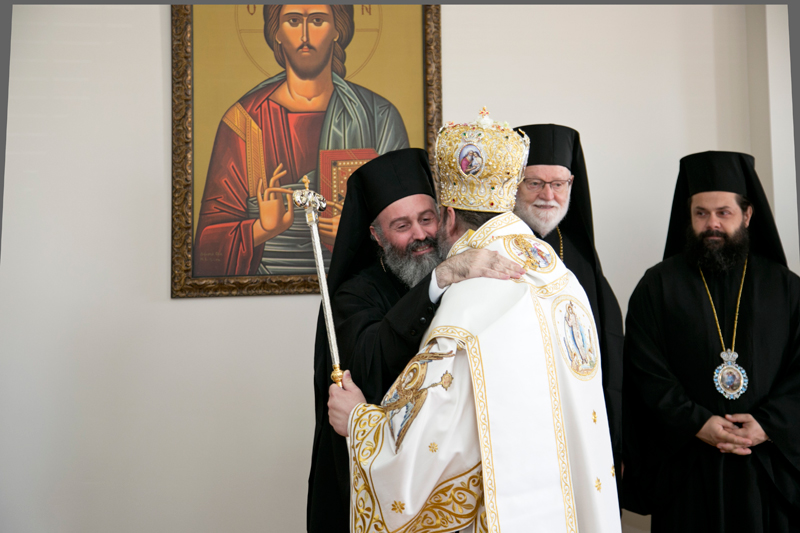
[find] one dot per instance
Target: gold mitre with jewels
(480, 164)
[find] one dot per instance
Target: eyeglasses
(556, 186)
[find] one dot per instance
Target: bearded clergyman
(554, 200)
(498, 423)
(712, 363)
(386, 281)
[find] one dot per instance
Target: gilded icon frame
(183, 283)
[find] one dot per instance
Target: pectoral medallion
(729, 378)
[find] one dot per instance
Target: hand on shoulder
(476, 263)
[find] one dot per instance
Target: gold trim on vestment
(243, 125)
(558, 421)
(552, 288)
(451, 506)
(366, 441)
(482, 237)
(481, 525)
(545, 291)
(470, 344)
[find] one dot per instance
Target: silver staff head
(314, 203)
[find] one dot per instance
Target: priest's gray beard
(404, 264)
(721, 257)
(542, 222)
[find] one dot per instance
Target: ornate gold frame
(183, 284)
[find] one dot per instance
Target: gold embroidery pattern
(243, 125)
(558, 422)
(613, 471)
(461, 244)
(553, 288)
(470, 344)
(479, 165)
(452, 505)
(480, 238)
(594, 417)
(433, 447)
(545, 291)
(584, 361)
(598, 485)
(530, 252)
(407, 390)
(366, 441)
(482, 525)
(483, 236)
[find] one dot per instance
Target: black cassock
(672, 348)
(379, 322)
(379, 326)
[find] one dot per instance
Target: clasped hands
(728, 437)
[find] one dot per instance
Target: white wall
(123, 410)
(779, 81)
(644, 86)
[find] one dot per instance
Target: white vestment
(499, 423)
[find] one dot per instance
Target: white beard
(542, 221)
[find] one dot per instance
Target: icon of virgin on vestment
(578, 340)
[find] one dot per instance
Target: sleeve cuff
(350, 419)
(699, 417)
(434, 292)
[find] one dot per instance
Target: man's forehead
(407, 207)
(547, 171)
(714, 199)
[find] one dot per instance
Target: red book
(335, 168)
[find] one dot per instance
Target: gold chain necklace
(560, 244)
(729, 378)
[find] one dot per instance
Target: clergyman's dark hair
(473, 219)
